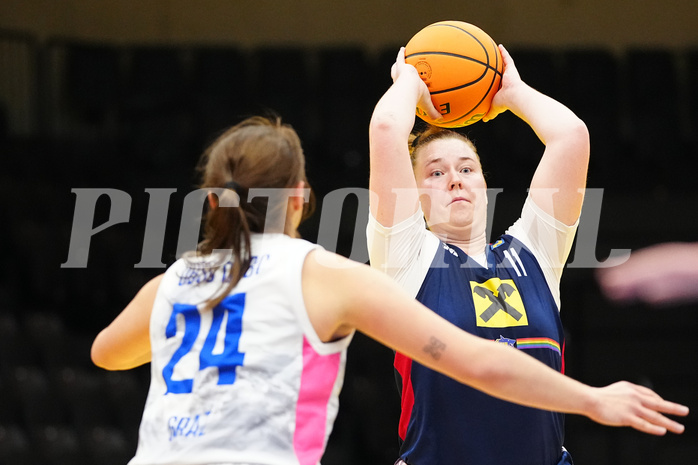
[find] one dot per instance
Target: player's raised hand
(425, 103)
(510, 81)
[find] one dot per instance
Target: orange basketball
(462, 67)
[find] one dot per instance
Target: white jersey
(248, 382)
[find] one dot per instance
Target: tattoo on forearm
(434, 348)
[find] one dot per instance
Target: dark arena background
(125, 95)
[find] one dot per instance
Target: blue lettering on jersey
(192, 322)
(256, 265)
(187, 427)
(227, 315)
(255, 268)
(193, 276)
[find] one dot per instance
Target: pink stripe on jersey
(317, 381)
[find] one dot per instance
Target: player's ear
(212, 200)
(297, 199)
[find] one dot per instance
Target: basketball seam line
(486, 65)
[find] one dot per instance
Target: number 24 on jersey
(230, 311)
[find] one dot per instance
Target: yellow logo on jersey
(498, 304)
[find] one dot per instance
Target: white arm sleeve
(404, 251)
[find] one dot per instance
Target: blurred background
(126, 95)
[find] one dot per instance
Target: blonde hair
(420, 138)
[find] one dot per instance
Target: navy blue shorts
(565, 459)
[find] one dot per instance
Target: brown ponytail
(259, 152)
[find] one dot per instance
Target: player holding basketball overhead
(507, 291)
(247, 338)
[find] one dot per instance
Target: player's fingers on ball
(429, 106)
(489, 116)
(506, 56)
(435, 115)
(401, 55)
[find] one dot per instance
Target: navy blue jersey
(509, 301)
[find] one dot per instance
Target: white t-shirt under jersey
(406, 250)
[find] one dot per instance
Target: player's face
(452, 186)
